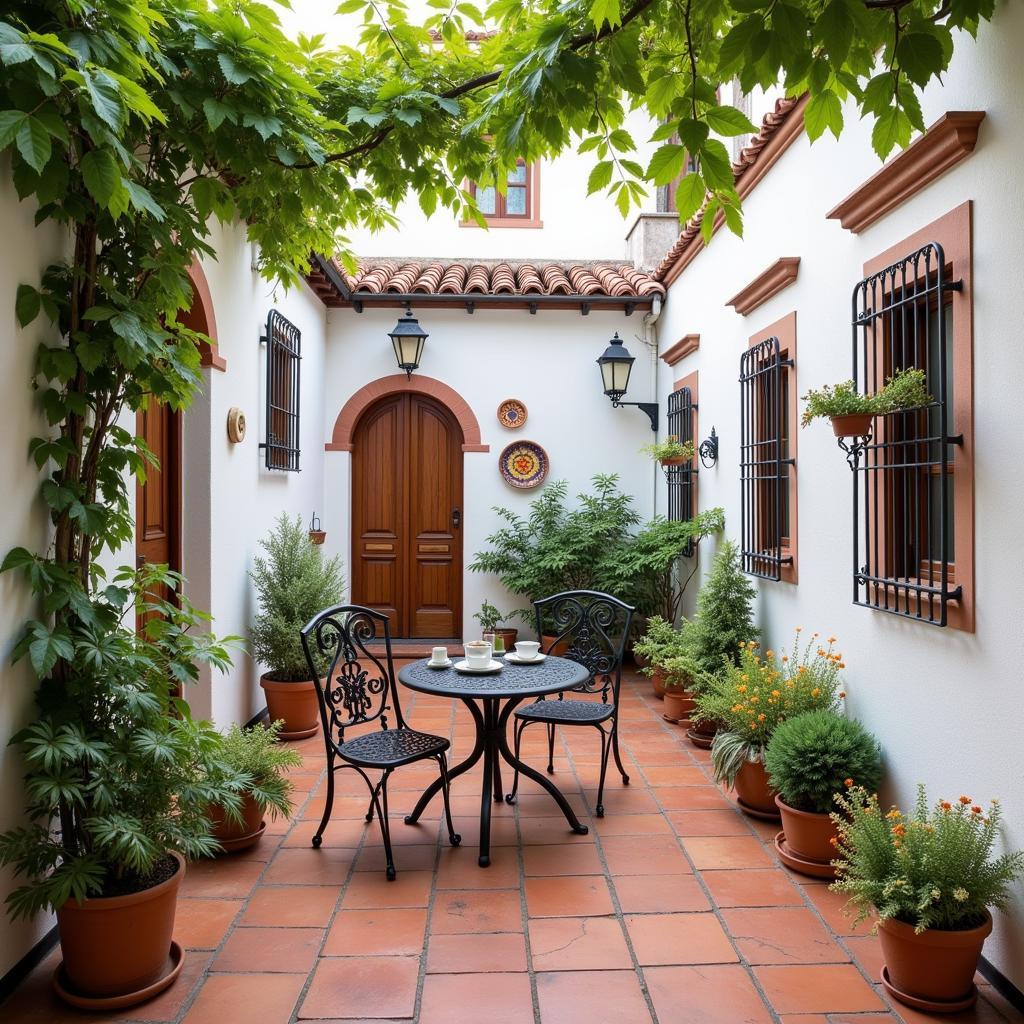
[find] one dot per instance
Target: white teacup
(527, 650)
(478, 653)
(439, 655)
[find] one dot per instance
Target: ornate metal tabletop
(551, 676)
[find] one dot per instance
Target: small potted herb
(660, 643)
(293, 582)
(489, 618)
(670, 452)
(809, 759)
(851, 412)
(930, 876)
(257, 763)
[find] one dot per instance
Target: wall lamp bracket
(651, 408)
(708, 450)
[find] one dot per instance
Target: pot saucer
(299, 734)
(754, 812)
(447, 663)
(243, 842)
(699, 740)
(465, 668)
(813, 868)
(513, 659)
(172, 968)
(929, 1005)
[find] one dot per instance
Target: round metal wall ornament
(524, 464)
(236, 425)
(512, 413)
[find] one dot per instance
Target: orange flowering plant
(750, 699)
(933, 868)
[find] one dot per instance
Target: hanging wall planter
(855, 424)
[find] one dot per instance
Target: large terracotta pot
(548, 645)
(809, 836)
(117, 945)
(233, 836)
(658, 683)
(702, 734)
(679, 705)
(754, 792)
(934, 967)
(296, 703)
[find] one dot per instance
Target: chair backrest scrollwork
(354, 685)
(590, 628)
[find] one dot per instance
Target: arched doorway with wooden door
(407, 515)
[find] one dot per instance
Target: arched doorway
(406, 514)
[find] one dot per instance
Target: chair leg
(385, 825)
(369, 810)
(551, 748)
(328, 805)
(453, 837)
(615, 750)
(519, 727)
(605, 744)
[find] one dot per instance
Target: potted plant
(293, 582)
(679, 700)
(723, 622)
(851, 412)
(119, 779)
(670, 452)
(930, 876)
(504, 636)
(259, 764)
(751, 699)
(660, 642)
(809, 759)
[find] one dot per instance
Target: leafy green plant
(904, 390)
(490, 618)
(114, 756)
(751, 699)
(670, 448)
(724, 619)
(293, 583)
(660, 642)
(810, 758)
(932, 868)
(259, 763)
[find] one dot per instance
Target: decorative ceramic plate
(512, 413)
(523, 464)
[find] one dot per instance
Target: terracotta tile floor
(673, 909)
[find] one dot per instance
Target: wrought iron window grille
(682, 480)
(283, 340)
(903, 557)
(764, 460)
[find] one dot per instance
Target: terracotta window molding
(501, 219)
(681, 349)
(781, 274)
(200, 317)
(953, 232)
(785, 331)
(951, 139)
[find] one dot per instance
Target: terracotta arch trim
(203, 319)
(345, 424)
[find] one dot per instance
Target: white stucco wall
(548, 362)
(945, 704)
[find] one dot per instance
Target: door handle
(456, 518)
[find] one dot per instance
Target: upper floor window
(283, 340)
(518, 205)
(682, 480)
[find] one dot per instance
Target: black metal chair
(356, 689)
(591, 628)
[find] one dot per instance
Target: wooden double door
(407, 516)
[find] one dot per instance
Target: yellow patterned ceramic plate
(524, 464)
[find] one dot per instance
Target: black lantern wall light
(407, 337)
(616, 365)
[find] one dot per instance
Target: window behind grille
(682, 480)
(283, 341)
(904, 556)
(765, 459)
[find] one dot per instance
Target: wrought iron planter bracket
(855, 448)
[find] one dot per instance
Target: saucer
(447, 663)
(514, 659)
(492, 666)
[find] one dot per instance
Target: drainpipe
(650, 321)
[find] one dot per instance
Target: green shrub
(660, 643)
(810, 757)
(930, 869)
(292, 583)
(260, 762)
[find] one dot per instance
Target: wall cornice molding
(683, 347)
(951, 139)
(781, 274)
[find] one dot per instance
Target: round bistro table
(491, 699)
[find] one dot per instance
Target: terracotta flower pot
(639, 660)
(808, 835)
(296, 703)
(508, 637)
(753, 791)
(548, 645)
(855, 424)
(679, 705)
(674, 461)
(658, 683)
(114, 946)
(935, 967)
(233, 836)
(702, 734)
